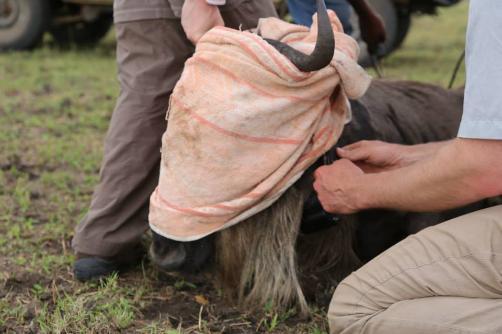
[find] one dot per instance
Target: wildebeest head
(173, 255)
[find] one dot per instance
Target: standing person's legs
(150, 57)
(302, 11)
(444, 279)
(344, 11)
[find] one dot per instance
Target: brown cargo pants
(150, 58)
(444, 279)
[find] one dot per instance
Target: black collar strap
(315, 218)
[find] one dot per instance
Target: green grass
(108, 308)
(431, 49)
(54, 111)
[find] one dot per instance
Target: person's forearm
(198, 17)
(415, 153)
(460, 172)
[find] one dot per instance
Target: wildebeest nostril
(172, 255)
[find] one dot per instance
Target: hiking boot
(91, 267)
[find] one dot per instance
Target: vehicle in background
(85, 22)
(80, 22)
(397, 15)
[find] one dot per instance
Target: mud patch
(22, 282)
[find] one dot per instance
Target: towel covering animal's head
(244, 123)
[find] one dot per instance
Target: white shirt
(482, 117)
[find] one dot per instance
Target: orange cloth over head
(244, 124)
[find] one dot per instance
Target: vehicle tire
(82, 33)
(22, 23)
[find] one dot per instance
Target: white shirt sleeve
(482, 117)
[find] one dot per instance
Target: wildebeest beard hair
(266, 260)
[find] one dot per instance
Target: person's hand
(198, 17)
(375, 155)
(335, 185)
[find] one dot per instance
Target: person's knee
(479, 231)
(337, 312)
(347, 306)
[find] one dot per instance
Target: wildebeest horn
(324, 47)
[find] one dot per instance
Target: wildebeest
(272, 257)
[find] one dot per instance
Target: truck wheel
(82, 33)
(22, 23)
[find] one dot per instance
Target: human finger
(355, 145)
(354, 154)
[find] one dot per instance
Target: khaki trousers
(444, 279)
(150, 58)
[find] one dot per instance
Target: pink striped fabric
(244, 124)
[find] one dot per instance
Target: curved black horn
(324, 46)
